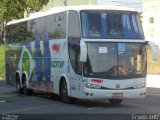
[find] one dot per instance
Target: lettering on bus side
(57, 64)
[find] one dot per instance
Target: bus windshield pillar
(83, 51)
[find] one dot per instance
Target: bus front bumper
(114, 94)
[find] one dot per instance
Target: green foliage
(14, 9)
(153, 66)
(35, 5)
(2, 68)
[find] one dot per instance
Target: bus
(92, 52)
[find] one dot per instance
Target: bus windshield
(104, 62)
(111, 25)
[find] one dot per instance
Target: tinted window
(56, 26)
(73, 24)
(111, 25)
(74, 55)
(74, 41)
(37, 26)
(18, 32)
(104, 62)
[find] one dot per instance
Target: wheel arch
(64, 77)
(18, 73)
(26, 76)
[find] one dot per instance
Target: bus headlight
(93, 86)
(137, 86)
(142, 85)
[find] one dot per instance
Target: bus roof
(66, 8)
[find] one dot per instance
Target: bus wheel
(18, 86)
(115, 101)
(25, 89)
(64, 93)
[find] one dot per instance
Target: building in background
(151, 21)
(136, 4)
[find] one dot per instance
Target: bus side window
(74, 41)
(56, 25)
(39, 27)
(22, 32)
(73, 25)
(74, 55)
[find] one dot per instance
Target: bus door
(74, 36)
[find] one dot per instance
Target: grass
(2, 68)
(153, 66)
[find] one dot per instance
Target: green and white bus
(55, 52)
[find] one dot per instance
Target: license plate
(117, 95)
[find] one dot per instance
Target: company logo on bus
(97, 81)
(118, 86)
(56, 47)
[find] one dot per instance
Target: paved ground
(6, 88)
(46, 107)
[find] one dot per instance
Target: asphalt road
(45, 106)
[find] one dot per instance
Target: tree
(14, 9)
(35, 5)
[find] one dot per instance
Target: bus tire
(115, 101)
(18, 85)
(64, 93)
(26, 91)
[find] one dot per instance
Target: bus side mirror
(154, 48)
(83, 51)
